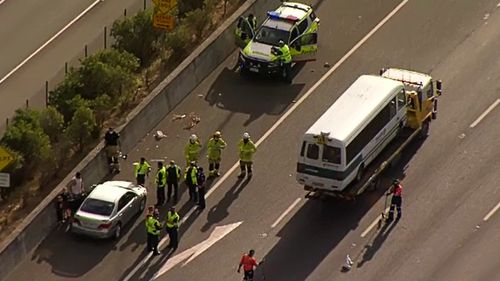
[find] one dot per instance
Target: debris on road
(200, 96)
(178, 117)
(193, 120)
(348, 263)
(159, 135)
(326, 64)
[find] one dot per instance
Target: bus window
(331, 154)
(392, 107)
(401, 99)
(312, 151)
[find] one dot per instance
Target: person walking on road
(249, 263)
(172, 226)
(247, 149)
(201, 188)
(161, 181)
(396, 200)
(191, 179)
(141, 170)
(173, 178)
(214, 151)
(192, 149)
(153, 229)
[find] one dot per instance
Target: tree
(52, 123)
(63, 94)
(137, 36)
(81, 128)
(29, 140)
(109, 72)
(178, 40)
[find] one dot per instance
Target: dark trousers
(248, 275)
(192, 192)
(173, 235)
(152, 243)
(201, 197)
(396, 202)
(141, 179)
(160, 195)
(246, 165)
(175, 186)
(213, 165)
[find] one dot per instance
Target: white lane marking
(282, 118)
(474, 124)
(190, 254)
(373, 224)
(488, 216)
(49, 41)
(288, 210)
(1, 2)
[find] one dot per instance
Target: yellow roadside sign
(162, 17)
(5, 158)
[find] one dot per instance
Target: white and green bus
(336, 149)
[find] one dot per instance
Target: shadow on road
(372, 247)
(252, 95)
(320, 225)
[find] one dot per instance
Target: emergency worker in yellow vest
(192, 149)
(286, 58)
(191, 179)
(153, 229)
(161, 181)
(141, 169)
(214, 151)
(247, 149)
(172, 226)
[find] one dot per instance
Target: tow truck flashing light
(277, 16)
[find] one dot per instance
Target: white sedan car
(108, 208)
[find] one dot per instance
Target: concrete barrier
(169, 93)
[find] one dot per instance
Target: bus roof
(355, 107)
(408, 76)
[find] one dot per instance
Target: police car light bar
(277, 16)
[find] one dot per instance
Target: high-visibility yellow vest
(163, 172)
(141, 169)
(214, 148)
(172, 219)
(246, 150)
(152, 225)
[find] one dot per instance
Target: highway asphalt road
(25, 26)
(448, 231)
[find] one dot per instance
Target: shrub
(178, 41)
(29, 140)
(137, 36)
(81, 128)
(52, 123)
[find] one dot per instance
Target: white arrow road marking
(191, 253)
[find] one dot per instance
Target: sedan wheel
(143, 205)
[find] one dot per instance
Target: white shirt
(76, 186)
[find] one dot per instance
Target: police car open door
(243, 33)
(304, 47)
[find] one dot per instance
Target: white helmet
(217, 134)
(246, 136)
(193, 137)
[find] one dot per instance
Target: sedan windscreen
(97, 207)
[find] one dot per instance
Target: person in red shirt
(396, 200)
(249, 263)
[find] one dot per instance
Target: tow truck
(422, 93)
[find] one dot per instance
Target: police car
(296, 24)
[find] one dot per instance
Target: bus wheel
(425, 130)
(359, 174)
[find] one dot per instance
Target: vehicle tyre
(118, 231)
(424, 132)
(359, 174)
(142, 206)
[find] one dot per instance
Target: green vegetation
(103, 87)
